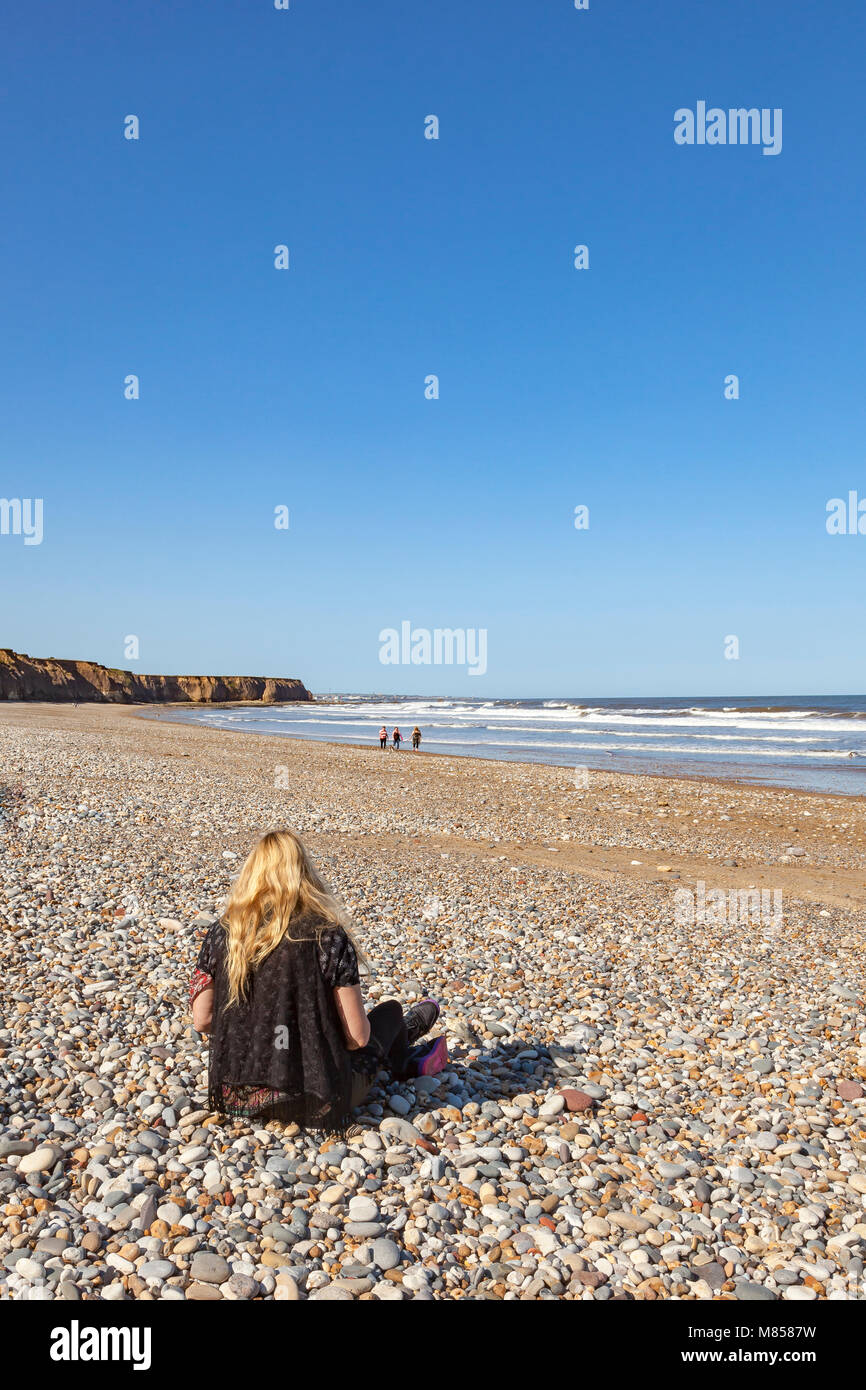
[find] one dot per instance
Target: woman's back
(279, 1052)
(277, 987)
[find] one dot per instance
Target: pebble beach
(639, 1104)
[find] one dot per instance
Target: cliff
(30, 678)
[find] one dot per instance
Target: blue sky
(409, 257)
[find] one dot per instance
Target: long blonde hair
(277, 886)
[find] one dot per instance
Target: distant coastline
(24, 677)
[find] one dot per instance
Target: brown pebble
(203, 1293)
(577, 1100)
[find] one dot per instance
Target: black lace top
(281, 1053)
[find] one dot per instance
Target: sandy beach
(641, 1103)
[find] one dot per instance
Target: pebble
(629, 1221)
(752, 1293)
(208, 1268)
(203, 1293)
(156, 1269)
(361, 1230)
(577, 1100)
(169, 1212)
(333, 1195)
(385, 1254)
(15, 1147)
(363, 1209)
(242, 1286)
(400, 1131)
(41, 1160)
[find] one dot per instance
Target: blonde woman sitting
(277, 987)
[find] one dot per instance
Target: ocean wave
(623, 752)
(668, 725)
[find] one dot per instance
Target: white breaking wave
(719, 741)
(554, 713)
(635, 748)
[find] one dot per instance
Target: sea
(816, 743)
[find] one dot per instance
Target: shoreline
(715, 1066)
(712, 779)
(738, 779)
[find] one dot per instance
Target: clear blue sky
(454, 257)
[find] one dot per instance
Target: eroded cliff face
(25, 677)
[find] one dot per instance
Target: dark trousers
(388, 1045)
(389, 1041)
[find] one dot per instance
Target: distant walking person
(398, 739)
(383, 737)
(416, 737)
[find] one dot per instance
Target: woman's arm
(202, 1010)
(350, 1007)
